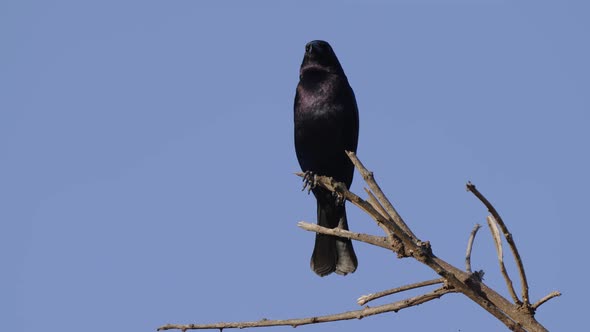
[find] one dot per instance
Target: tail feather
(332, 254)
(325, 256)
(347, 261)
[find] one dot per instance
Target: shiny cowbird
(326, 125)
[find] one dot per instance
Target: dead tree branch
(545, 299)
(509, 239)
(499, 250)
(373, 296)
(357, 314)
(379, 241)
(470, 247)
(370, 180)
(517, 316)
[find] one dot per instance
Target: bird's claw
(309, 181)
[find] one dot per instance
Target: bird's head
(319, 55)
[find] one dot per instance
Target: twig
(357, 314)
(545, 299)
(370, 180)
(375, 203)
(370, 297)
(498, 242)
(509, 239)
(470, 247)
(379, 241)
(377, 206)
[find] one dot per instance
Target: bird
(326, 125)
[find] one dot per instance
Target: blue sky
(147, 157)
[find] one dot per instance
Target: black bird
(326, 124)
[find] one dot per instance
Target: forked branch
(509, 239)
(356, 314)
(499, 250)
(516, 315)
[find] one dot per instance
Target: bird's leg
(309, 181)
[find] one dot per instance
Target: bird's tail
(331, 253)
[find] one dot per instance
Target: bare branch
(499, 251)
(376, 204)
(339, 188)
(484, 296)
(545, 299)
(406, 246)
(509, 239)
(370, 297)
(399, 238)
(370, 180)
(379, 241)
(516, 316)
(470, 247)
(357, 314)
(491, 301)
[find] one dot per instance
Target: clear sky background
(147, 160)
